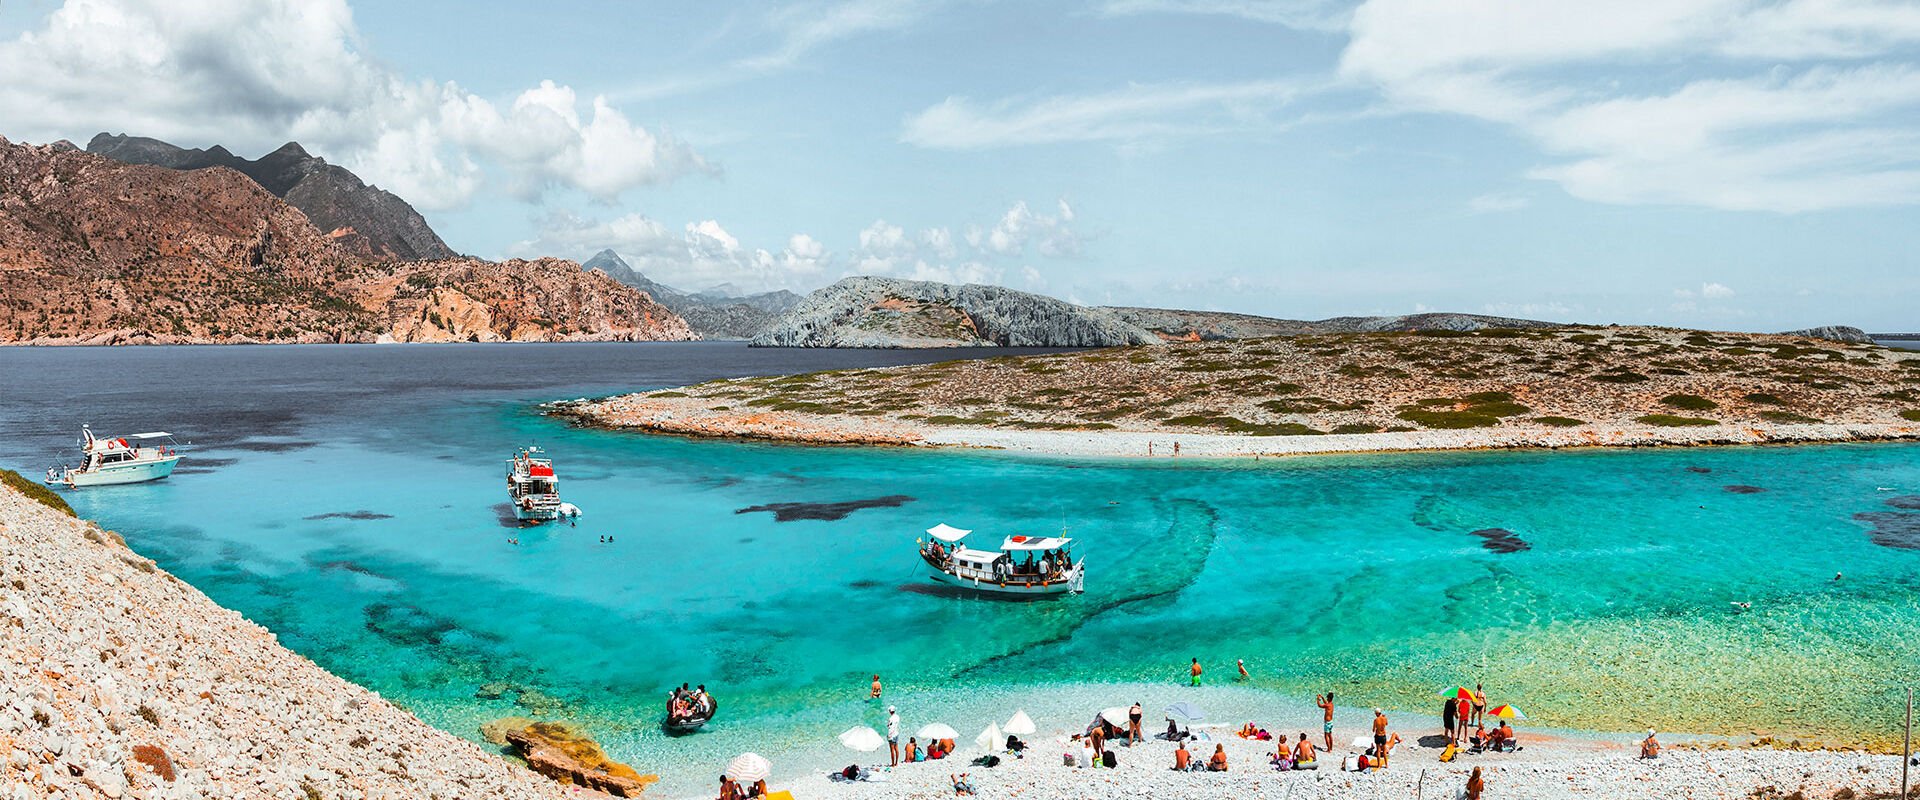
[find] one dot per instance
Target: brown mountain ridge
(95, 251)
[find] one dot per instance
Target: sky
(1728, 164)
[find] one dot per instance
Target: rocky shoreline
(119, 680)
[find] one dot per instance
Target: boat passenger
(1219, 761)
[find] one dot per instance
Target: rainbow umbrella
(1458, 693)
(1506, 712)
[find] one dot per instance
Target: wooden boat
(1024, 565)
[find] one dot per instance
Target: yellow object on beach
(780, 795)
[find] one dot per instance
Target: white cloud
(700, 255)
(1319, 15)
(1498, 202)
(805, 28)
(1756, 128)
(1714, 291)
(252, 74)
(1136, 113)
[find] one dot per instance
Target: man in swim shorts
(1195, 669)
(1379, 731)
(1326, 705)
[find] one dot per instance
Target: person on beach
(1479, 704)
(1449, 725)
(1650, 747)
(1097, 738)
(960, 784)
(1325, 702)
(1182, 759)
(1242, 664)
(1479, 740)
(893, 734)
(1219, 761)
(1386, 750)
(1475, 785)
(1463, 711)
(913, 749)
(1195, 670)
(728, 789)
(1303, 755)
(1379, 729)
(1134, 715)
(875, 693)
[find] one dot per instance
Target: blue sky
(1740, 164)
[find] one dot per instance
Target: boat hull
(121, 473)
(1018, 586)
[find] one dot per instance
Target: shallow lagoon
(347, 499)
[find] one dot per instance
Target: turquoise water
(1359, 573)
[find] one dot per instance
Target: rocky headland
(1432, 389)
(96, 251)
(870, 311)
(119, 680)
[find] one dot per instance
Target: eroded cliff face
(95, 251)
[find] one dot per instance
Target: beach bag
(852, 772)
(1109, 760)
(1352, 763)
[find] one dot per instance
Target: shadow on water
(792, 512)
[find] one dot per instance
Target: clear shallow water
(1359, 573)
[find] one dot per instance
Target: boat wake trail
(1161, 566)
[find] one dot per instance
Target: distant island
(1427, 389)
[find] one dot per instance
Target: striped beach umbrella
(748, 768)
(1506, 712)
(1457, 693)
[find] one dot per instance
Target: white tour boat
(534, 489)
(1024, 565)
(138, 458)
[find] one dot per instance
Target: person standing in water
(875, 694)
(1325, 702)
(1242, 664)
(1195, 670)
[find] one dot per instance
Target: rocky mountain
(366, 221)
(713, 314)
(95, 251)
(1835, 333)
(889, 312)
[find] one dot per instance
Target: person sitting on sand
(1016, 747)
(1281, 759)
(1503, 736)
(1480, 740)
(1386, 750)
(1650, 747)
(960, 784)
(913, 749)
(1173, 730)
(1219, 761)
(1246, 731)
(1304, 756)
(1182, 759)
(759, 789)
(728, 789)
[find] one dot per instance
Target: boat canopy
(947, 533)
(977, 557)
(154, 435)
(1028, 543)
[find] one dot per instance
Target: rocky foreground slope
(366, 220)
(94, 251)
(118, 680)
(711, 315)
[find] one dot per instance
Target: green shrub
(1671, 421)
(35, 492)
(1560, 422)
(1689, 402)
(1488, 397)
(1357, 427)
(1448, 419)
(668, 394)
(1498, 409)
(1911, 413)
(1619, 376)
(1764, 399)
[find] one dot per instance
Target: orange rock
(566, 755)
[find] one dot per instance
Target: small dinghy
(688, 710)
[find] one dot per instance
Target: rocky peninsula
(119, 680)
(1420, 390)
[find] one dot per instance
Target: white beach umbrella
(990, 739)
(1020, 724)
(748, 768)
(1117, 715)
(1362, 741)
(937, 730)
(863, 739)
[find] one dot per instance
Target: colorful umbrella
(1506, 712)
(1457, 693)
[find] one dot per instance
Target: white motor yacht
(138, 458)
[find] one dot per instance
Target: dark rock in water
(1910, 502)
(1893, 529)
(406, 625)
(257, 446)
(493, 691)
(359, 515)
(1699, 470)
(865, 584)
(789, 512)
(1501, 540)
(1738, 488)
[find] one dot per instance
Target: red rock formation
(94, 251)
(565, 755)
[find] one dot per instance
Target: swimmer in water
(1741, 606)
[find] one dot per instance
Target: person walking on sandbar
(1195, 670)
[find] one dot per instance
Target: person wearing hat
(893, 734)
(1650, 748)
